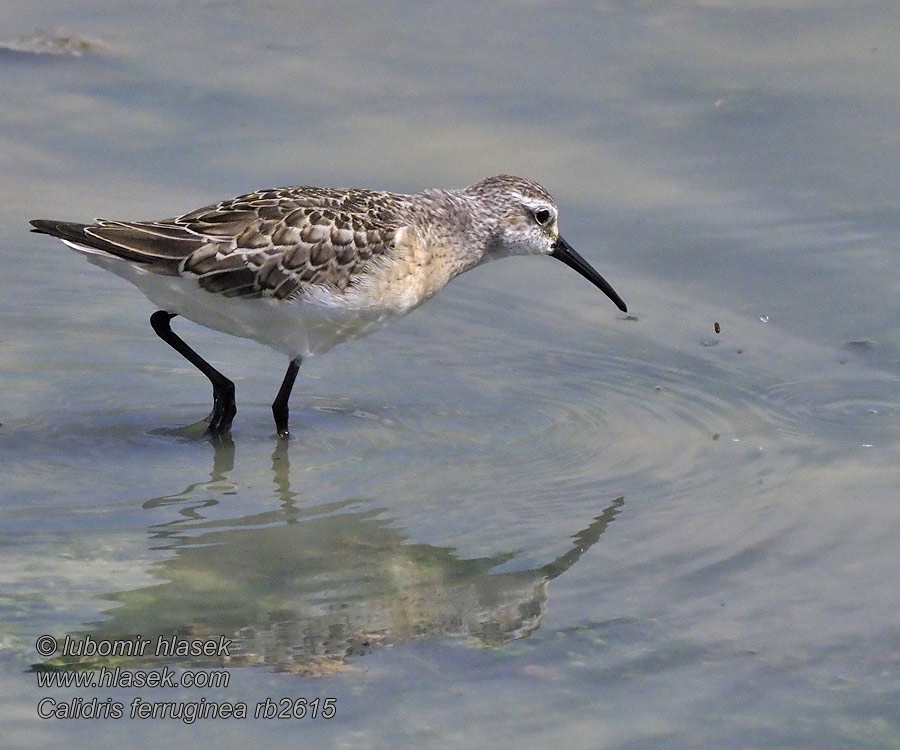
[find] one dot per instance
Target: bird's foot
(224, 409)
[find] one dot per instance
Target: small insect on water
(718, 328)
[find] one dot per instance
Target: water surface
(517, 518)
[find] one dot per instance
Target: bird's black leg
(224, 407)
(280, 404)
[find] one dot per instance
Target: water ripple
(842, 408)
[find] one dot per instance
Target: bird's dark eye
(543, 216)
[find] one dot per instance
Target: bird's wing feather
(273, 243)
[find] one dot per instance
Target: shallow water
(517, 518)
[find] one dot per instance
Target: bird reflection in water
(308, 589)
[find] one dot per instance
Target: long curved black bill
(563, 251)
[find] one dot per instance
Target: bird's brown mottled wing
(272, 243)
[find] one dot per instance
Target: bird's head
(523, 220)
